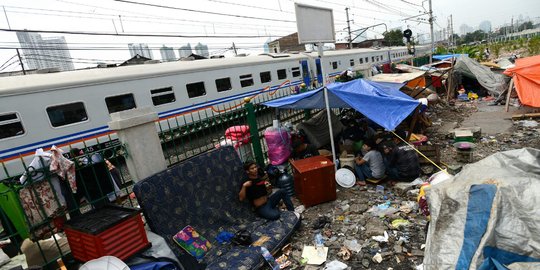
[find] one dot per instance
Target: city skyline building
(140, 49)
(167, 54)
(202, 50)
(184, 51)
(43, 53)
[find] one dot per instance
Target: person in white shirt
(371, 165)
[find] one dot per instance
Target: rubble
(362, 215)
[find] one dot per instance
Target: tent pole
(508, 94)
(327, 104)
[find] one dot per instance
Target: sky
(219, 23)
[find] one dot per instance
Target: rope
(431, 161)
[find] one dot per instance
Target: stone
(365, 263)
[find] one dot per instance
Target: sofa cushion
(203, 192)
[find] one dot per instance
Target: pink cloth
(279, 145)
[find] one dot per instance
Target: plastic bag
(279, 145)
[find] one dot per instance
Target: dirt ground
(349, 226)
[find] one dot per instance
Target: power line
(130, 35)
(8, 60)
(113, 48)
(102, 16)
(201, 11)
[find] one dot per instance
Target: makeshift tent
(487, 214)
(468, 67)
(412, 80)
(526, 75)
(383, 103)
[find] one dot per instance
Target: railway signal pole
(431, 31)
(348, 27)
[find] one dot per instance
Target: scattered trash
(300, 209)
(353, 245)
(377, 258)
(321, 222)
(382, 210)
(344, 253)
(381, 238)
(335, 265)
(379, 189)
(408, 206)
(528, 123)
(312, 255)
(400, 222)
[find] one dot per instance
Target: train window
(361, 60)
(67, 114)
(367, 59)
(10, 125)
(120, 103)
(162, 96)
(352, 62)
(281, 74)
(223, 84)
(296, 71)
(265, 76)
(246, 80)
(195, 89)
(373, 59)
(334, 65)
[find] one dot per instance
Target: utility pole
(348, 27)
(20, 60)
(234, 49)
(431, 31)
(451, 31)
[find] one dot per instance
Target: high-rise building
(202, 50)
(184, 51)
(140, 49)
(167, 54)
(41, 53)
(485, 26)
(464, 29)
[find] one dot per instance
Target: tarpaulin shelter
(487, 216)
(447, 56)
(470, 68)
(526, 76)
(383, 103)
(412, 80)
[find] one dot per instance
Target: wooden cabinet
(314, 180)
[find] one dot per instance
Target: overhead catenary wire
(130, 34)
(159, 20)
(204, 12)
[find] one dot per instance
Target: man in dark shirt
(401, 160)
(303, 150)
(254, 189)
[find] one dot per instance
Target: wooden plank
(525, 116)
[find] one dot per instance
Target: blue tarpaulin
(381, 102)
(447, 56)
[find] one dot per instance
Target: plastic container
(286, 182)
(111, 230)
(347, 161)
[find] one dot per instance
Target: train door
(305, 72)
(319, 71)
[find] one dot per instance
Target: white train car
(72, 108)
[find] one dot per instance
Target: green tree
(534, 46)
(394, 38)
(496, 49)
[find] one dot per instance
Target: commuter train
(70, 108)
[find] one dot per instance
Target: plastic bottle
(319, 244)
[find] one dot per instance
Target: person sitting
(401, 159)
(254, 189)
(371, 165)
(303, 150)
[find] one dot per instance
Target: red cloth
(238, 134)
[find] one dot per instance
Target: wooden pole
(508, 94)
(413, 123)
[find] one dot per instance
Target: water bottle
(286, 182)
(319, 244)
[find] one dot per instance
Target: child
(371, 165)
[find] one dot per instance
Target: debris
(377, 258)
(335, 265)
(312, 255)
(353, 245)
(381, 238)
(400, 223)
(344, 253)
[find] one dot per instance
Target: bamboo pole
(508, 94)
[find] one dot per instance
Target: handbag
(242, 238)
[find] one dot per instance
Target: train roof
(49, 81)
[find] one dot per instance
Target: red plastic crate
(112, 230)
